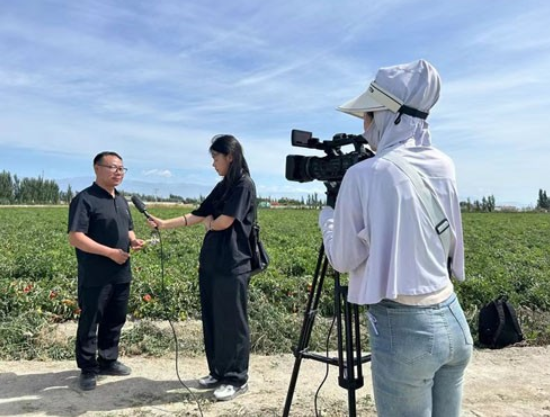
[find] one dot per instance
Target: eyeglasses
(114, 168)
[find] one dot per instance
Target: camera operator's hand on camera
(326, 218)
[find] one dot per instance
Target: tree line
(542, 202)
(15, 190)
(486, 204)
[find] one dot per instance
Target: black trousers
(102, 316)
(224, 301)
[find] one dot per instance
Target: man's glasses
(114, 168)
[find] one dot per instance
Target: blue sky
(155, 80)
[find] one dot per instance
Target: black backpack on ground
(498, 324)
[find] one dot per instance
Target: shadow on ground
(47, 393)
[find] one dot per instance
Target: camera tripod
(349, 359)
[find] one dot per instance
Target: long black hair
(229, 145)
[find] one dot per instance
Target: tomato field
(506, 253)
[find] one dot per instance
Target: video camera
(331, 168)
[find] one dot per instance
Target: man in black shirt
(101, 230)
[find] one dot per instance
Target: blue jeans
(419, 355)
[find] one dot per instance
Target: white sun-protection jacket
(380, 233)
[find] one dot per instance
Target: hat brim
(360, 105)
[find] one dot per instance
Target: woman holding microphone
(224, 271)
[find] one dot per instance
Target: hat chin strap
(410, 111)
(392, 103)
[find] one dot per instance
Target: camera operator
(380, 233)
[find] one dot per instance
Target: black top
(227, 252)
(106, 220)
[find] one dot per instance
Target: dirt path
(508, 382)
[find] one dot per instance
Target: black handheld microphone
(140, 205)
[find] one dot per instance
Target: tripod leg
(359, 355)
(350, 366)
(347, 362)
(307, 326)
(350, 360)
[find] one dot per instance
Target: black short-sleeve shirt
(227, 252)
(106, 220)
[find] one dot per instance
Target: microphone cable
(316, 396)
(163, 299)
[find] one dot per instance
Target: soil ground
(509, 382)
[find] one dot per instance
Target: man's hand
(137, 244)
(119, 256)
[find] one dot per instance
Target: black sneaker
(115, 368)
(87, 381)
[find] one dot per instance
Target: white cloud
(165, 173)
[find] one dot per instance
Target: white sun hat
(374, 99)
(405, 89)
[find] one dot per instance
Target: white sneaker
(228, 392)
(208, 381)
